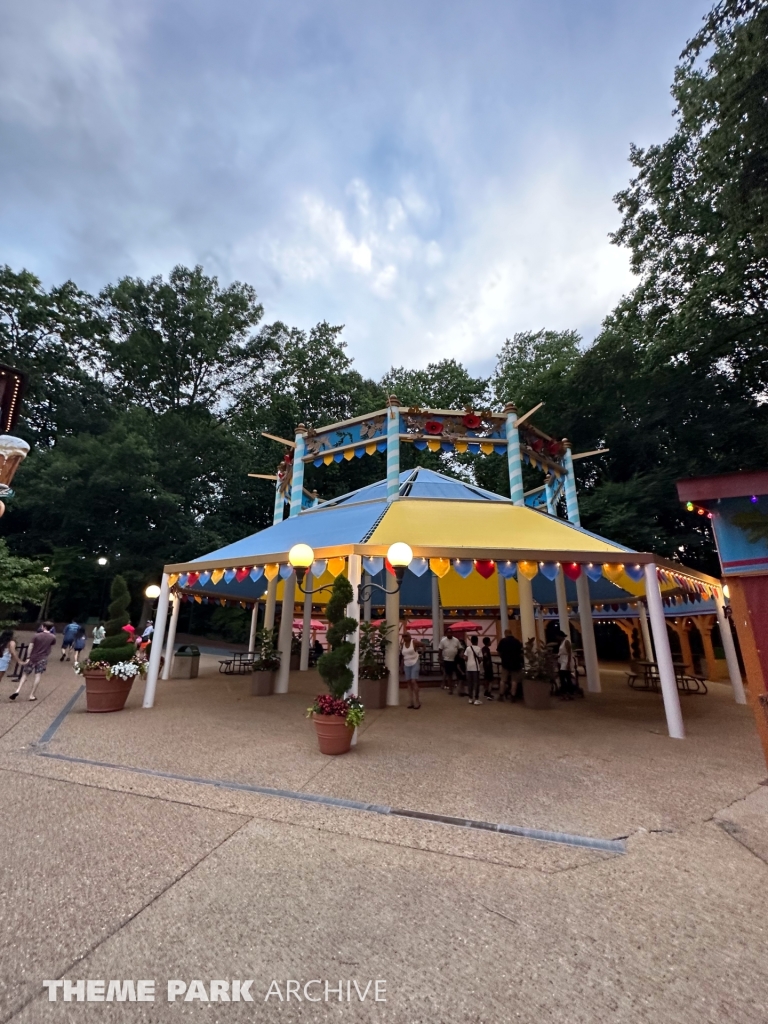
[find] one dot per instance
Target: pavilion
(469, 546)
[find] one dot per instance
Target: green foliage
(266, 655)
(373, 646)
(540, 662)
(333, 666)
(755, 523)
(22, 581)
(113, 647)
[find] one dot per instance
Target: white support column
(157, 648)
(731, 658)
(367, 606)
(663, 655)
(588, 633)
(286, 634)
(527, 619)
(171, 637)
(562, 603)
(354, 575)
(306, 622)
(254, 622)
(514, 460)
(393, 647)
(269, 609)
(393, 448)
(436, 634)
(571, 497)
(503, 605)
(645, 633)
(279, 510)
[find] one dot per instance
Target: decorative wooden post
(279, 511)
(297, 480)
(731, 659)
(393, 447)
(286, 633)
(571, 498)
(514, 461)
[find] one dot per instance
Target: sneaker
(475, 702)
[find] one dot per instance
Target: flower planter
(373, 692)
(263, 683)
(536, 694)
(333, 734)
(102, 694)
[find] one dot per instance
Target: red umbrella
(313, 624)
(419, 623)
(462, 627)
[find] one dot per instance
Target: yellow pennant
(486, 448)
(327, 459)
(173, 578)
(370, 449)
(270, 571)
(613, 572)
(434, 446)
(460, 446)
(440, 566)
(528, 569)
(217, 576)
(198, 599)
(349, 454)
(336, 565)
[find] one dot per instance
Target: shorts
(449, 667)
(411, 671)
(67, 643)
(36, 667)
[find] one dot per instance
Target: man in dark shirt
(37, 658)
(510, 650)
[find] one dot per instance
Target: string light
(689, 506)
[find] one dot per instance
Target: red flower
(470, 421)
(433, 427)
(554, 448)
(537, 444)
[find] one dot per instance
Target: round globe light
(152, 592)
(301, 556)
(400, 555)
(101, 561)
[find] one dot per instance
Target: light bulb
(301, 556)
(400, 555)
(152, 592)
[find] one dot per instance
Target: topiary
(115, 647)
(333, 666)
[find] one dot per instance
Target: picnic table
(238, 664)
(644, 675)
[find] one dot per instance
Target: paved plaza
(141, 845)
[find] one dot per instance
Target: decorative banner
(204, 578)
(434, 446)
(528, 569)
(242, 574)
(173, 578)
(271, 571)
(573, 570)
(635, 572)
(349, 454)
(613, 572)
(506, 569)
(594, 572)
(549, 570)
(440, 566)
(256, 573)
(198, 599)
(373, 565)
(286, 571)
(318, 567)
(486, 567)
(183, 580)
(370, 449)
(419, 566)
(217, 576)
(229, 575)
(463, 566)
(192, 578)
(336, 565)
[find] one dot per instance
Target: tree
(22, 582)
(182, 342)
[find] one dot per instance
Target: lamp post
(399, 556)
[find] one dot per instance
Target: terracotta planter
(263, 683)
(373, 692)
(536, 694)
(102, 694)
(333, 733)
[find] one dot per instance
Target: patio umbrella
(462, 627)
(313, 624)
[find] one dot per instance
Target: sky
(434, 174)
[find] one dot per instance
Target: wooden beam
(527, 415)
(282, 440)
(534, 491)
(264, 476)
(586, 455)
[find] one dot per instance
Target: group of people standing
(466, 665)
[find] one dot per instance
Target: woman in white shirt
(565, 666)
(409, 652)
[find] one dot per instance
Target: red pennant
(388, 567)
(572, 570)
(241, 574)
(192, 578)
(485, 567)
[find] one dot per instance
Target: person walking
(565, 667)
(8, 652)
(37, 659)
(510, 650)
(487, 667)
(474, 662)
(79, 644)
(99, 632)
(409, 652)
(149, 629)
(68, 639)
(449, 651)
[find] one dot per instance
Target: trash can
(186, 662)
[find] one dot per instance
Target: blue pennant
(419, 566)
(229, 575)
(594, 572)
(338, 456)
(183, 580)
(463, 566)
(549, 570)
(359, 453)
(474, 448)
(317, 462)
(635, 572)
(318, 567)
(381, 446)
(506, 569)
(421, 444)
(373, 565)
(204, 578)
(285, 571)
(256, 572)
